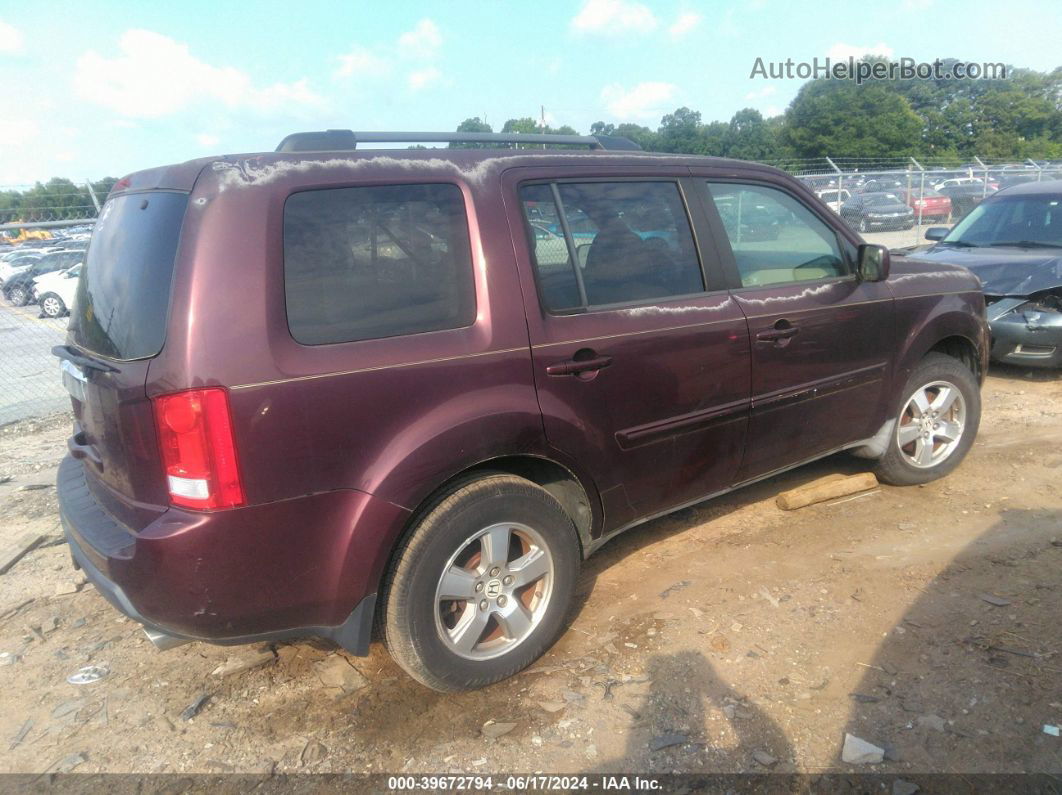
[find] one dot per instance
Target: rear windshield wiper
(1027, 244)
(71, 355)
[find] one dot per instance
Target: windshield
(1021, 221)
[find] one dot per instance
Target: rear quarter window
(376, 261)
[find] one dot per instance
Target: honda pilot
(403, 393)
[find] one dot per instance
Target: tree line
(941, 120)
(55, 200)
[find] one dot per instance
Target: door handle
(576, 366)
(783, 330)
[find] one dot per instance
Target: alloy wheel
(494, 591)
(931, 424)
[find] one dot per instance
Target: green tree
(830, 118)
(471, 125)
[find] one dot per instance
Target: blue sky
(104, 88)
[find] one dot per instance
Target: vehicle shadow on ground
(672, 728)
(971, 670)
(1013, 372)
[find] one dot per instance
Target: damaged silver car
(1013, 242)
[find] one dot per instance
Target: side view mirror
(873, 263)
(937, 233)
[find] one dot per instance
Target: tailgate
(117, 326)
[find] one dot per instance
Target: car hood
(1003, 270)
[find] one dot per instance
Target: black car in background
(876, 211)
(19, 289)
(1012, 241)
(965, 197)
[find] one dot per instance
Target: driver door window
(775, 238)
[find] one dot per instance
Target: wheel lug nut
(483, 604)
(508, 580)
(501, 601)
(495, 571)
(479, 587)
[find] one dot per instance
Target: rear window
(371, 262)
(124, 290)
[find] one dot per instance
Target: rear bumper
(293, 568)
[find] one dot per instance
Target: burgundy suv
(321, 390)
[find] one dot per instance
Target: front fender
(930, 319)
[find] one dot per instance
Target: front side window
(372, 262)
(631, 242)
(774, 237)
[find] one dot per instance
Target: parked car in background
(883, 185)
(19, 288)
(876, 211)
(16, 262)
(327, 389)
(980, 182)
(964, 197)
(834, 198)
(1012, 241)
(55, 291)
(928, 204)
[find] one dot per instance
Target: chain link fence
(45, 229)
(891, 201)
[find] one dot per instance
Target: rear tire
(937, 417)
(18, 296)
(508, 555)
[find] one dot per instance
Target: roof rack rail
(338, 140)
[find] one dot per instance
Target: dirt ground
(728, 637)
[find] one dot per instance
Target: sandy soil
(715, 637)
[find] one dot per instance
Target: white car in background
(55, 291)
(16, 262)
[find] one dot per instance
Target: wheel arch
(957, 333)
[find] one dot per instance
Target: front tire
(937, 419)
(482, 586)
(52, 306)
(18, 296)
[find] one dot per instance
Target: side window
(775, 238)
(371, 262)
(632, 242)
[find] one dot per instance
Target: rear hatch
(117, 326)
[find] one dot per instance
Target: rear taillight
(198, 449)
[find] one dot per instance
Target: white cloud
(207, 140)
(360, 62)
(10, 38)
(613, 16)
(842, 52)
(643, 101)
(685, 23)
(422, 78)
(421, 42)
(17, 132)
(763, 93)
(154, 75)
